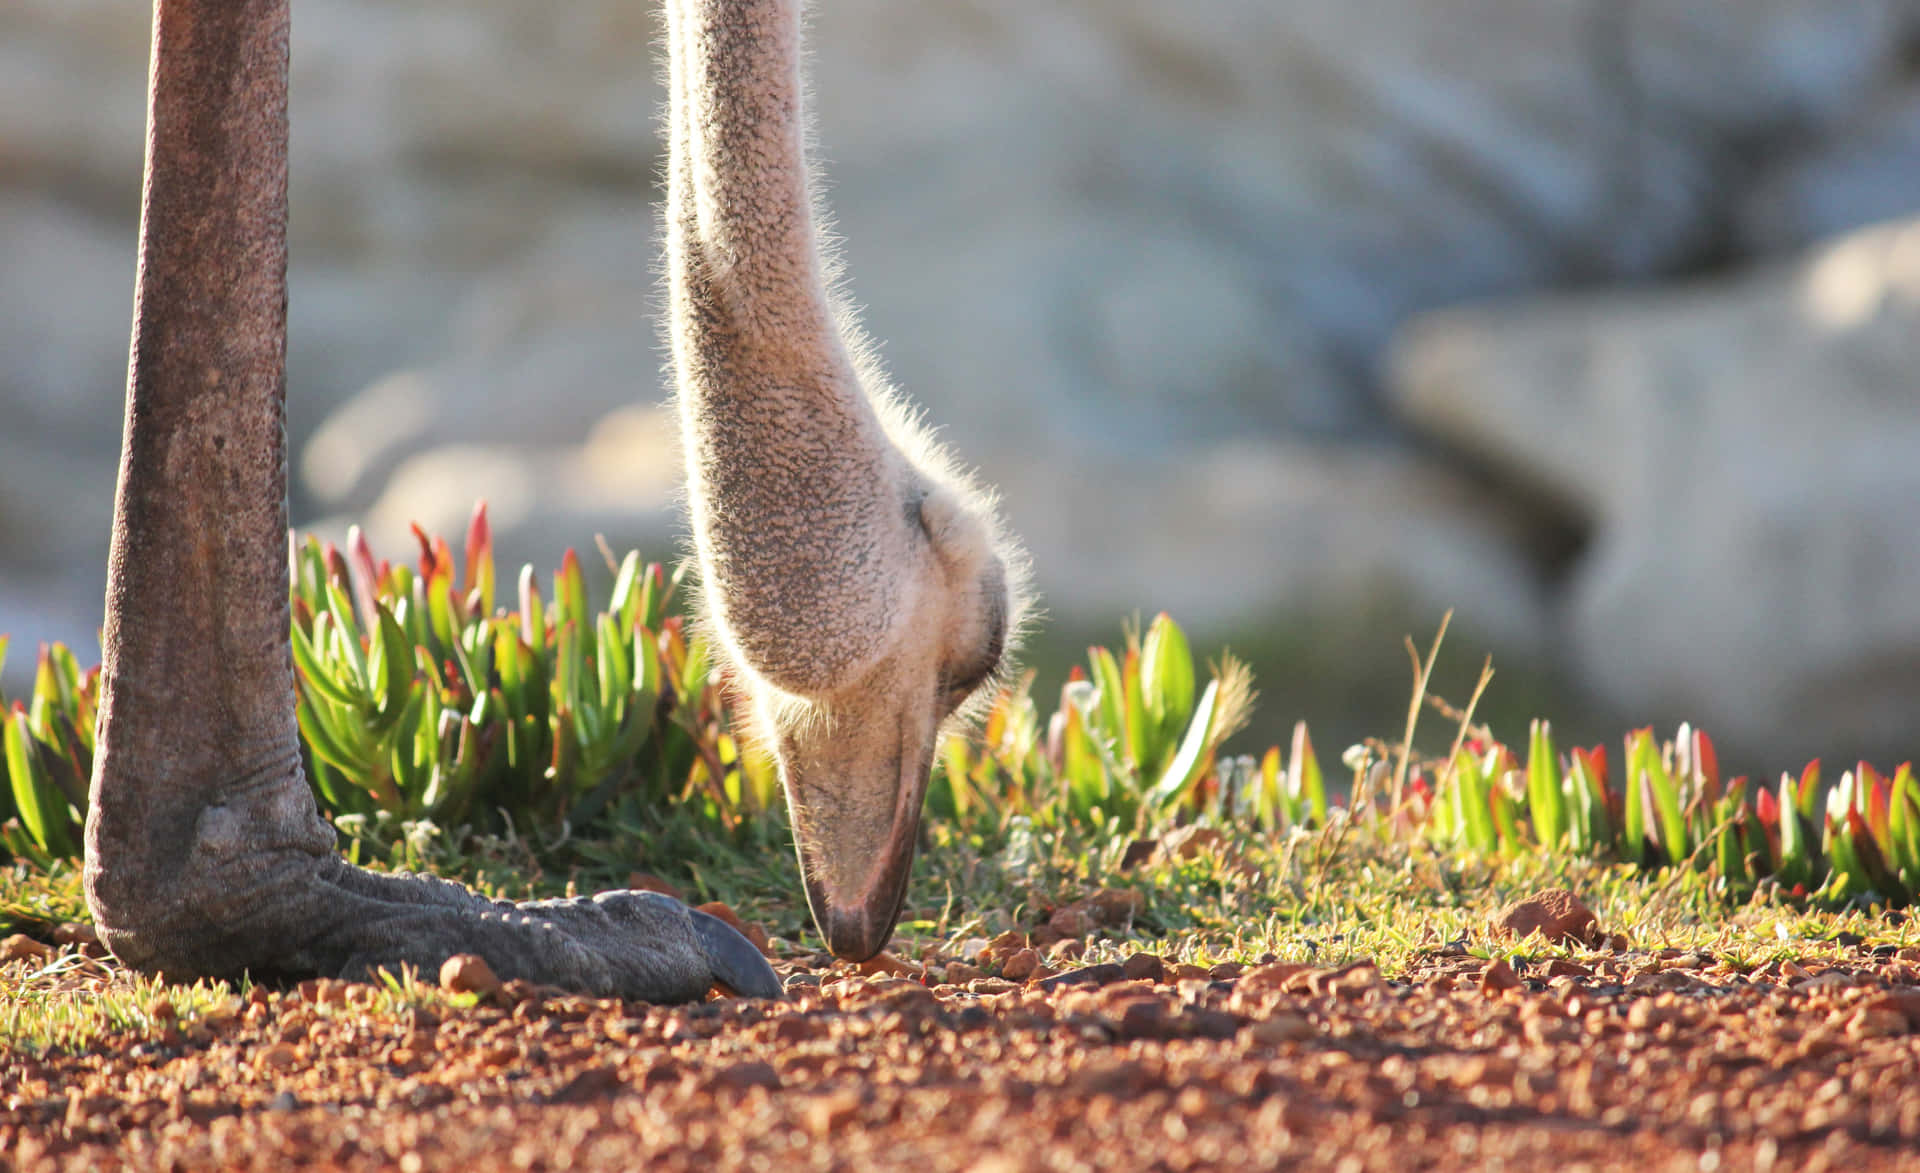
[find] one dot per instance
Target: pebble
(20, 947)
(1281, 1028)
(278, 1057)
(467, 973)
(1499, 977)
(1556, 914)
(1145, 967)
(1021, 965)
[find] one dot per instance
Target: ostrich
(838, 577)
(858, 580)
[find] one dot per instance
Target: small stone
(1138, 852)
(1002, 947)
(1020, 966)
(467, 973)
(888, 965)
(960, 973)
(1870, 1022)
(1903, 1002)
(590, 1084)
(1556, 914)
(1202, 1023)
(1145, 967)
(1275, 975)
(1144, 1018)
(1104, 974)
(742, 1076)
(278, 1057)
(1067, 950)
(497, 1055)
(21, 947)
(1071, 921)
(75, 933)
(1284, 1027)
(1499, 978)
(1116, 906)
(827, 1113)
(1347, 981)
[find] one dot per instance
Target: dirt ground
(1631, 1059)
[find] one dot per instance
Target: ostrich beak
(855, 830)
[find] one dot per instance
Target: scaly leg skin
(618, 944)
(206, 856)
(261, 889)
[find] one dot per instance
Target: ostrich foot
(638, 945)
(260, 890)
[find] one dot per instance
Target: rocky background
(1186, 280)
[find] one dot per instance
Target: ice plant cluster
(420, 697)
(48, 758)
(423, 697)
(1669, 806)
(1134, 744)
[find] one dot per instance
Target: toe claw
(736, 964)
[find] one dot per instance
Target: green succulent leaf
(1305, 783)
(1166, 672)
(43, 809)
(1545, 802)
(1189, 762)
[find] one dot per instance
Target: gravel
(1603, 1060)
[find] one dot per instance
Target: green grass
(1316, 897)
(552, 745)
(67, 1004)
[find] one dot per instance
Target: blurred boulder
(1861, 173)
(1259, 535)
(1741, 454)
(1141, 262)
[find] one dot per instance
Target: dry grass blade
(1422, 673)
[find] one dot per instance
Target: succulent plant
(1134, 743)
(421, 696)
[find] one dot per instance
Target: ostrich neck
(198, 675)
(798, 498)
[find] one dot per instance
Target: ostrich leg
(856, 578)
(205, 852)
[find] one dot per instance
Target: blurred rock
(1140, 262)
(1244, 535)
(1742, 453)
(1557, 914)
(1861, 174)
